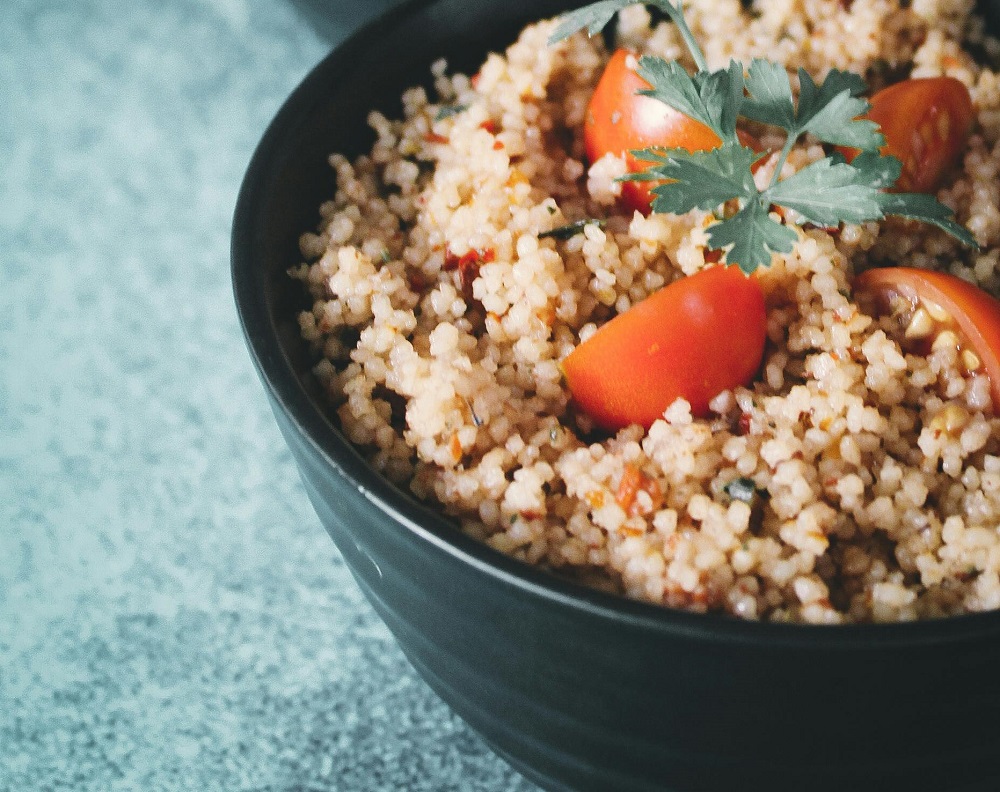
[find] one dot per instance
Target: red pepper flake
(629, 530)
(416, 281)
(546, 315)
(530, 515)
(474, 80)
(455, 447)
(434, 137)
(489, 125)
(468, 265)
(628, 487)
(632, 482)
(700, 596)
(497, 145)
(743, 427)
(713, 256)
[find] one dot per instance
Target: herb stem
(676, 14)
(783, 158)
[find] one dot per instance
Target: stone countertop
(172, 614)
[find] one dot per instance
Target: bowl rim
(287, 392)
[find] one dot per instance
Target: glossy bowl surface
(578, 689)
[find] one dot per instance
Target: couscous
(853, 476)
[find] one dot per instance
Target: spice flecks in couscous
(856, 479)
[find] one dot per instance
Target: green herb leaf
(829, 111)
(722, 93)
(592, 17)
(741, 489)
(713, 98)
(671, 84)
(832, 112)
(927, 209)
(700, 179)
(829, 193)
(596, 16)
(882, 170)
(770, 100)
(446, 111)
(753, 236)
(570, 230)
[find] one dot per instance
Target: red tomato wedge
(619, 119)
(957, 304)
(693, 339)
(926, 124)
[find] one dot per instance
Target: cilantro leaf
(672, 85)
(828, 193)
(722, 94)
(753, 236)
(770, 99)
(446, 111)
(927, 209)
(699, 179)
(713, 98)
(812, 98)
(883, 170)
(743, 489)
(830, 111)
(571, 229)
(593, 17)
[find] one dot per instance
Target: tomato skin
(692, 339)
(619, 119)
(926, 123)
(975, 312)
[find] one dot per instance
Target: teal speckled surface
(172, 614)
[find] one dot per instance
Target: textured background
(172, 615)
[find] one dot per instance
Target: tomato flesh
(926, 124)
(693, 339)
(619, 119)
(974, 312)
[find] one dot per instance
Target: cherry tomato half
(693, 339)
(951, 303)
(926, 125)
(619, 119)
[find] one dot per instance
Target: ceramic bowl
(577, 689)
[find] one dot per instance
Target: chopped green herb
(567, 231)
(446, 111)
(593, 18)
(741, 489)
(386, 256)
(827, 192)
(596, 16)
(552, 210)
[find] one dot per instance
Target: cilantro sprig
(827, 192)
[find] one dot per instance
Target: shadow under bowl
(575, 688)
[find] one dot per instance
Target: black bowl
(575, 688)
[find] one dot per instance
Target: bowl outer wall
(577, 688)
